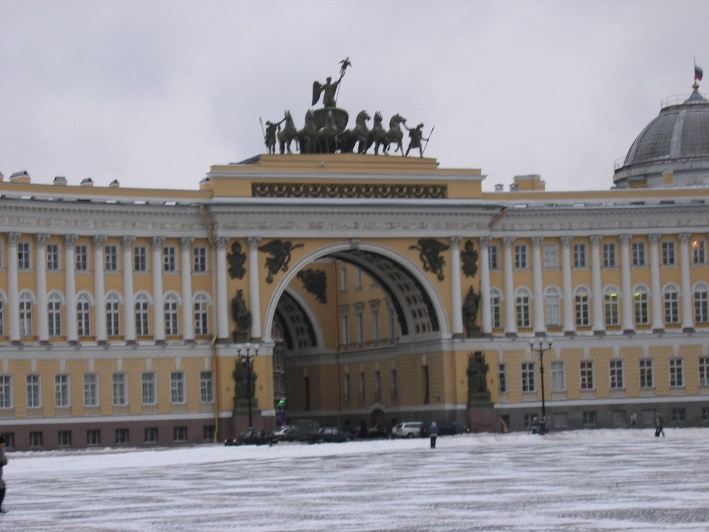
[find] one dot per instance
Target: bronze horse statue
(377, 135)
(395, 135)
(287, 134)
(358, 136)
(327, 135)
(307, 137)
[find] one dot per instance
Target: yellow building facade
(129, 316)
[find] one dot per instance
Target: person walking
(659, 425)
(433, 433)
(3, 462)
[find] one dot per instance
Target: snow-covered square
(584, 480)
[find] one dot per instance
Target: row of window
(55, 304)
(111, 258)
(611, 305)
(148, 383)
(616, 375)
(121, 437)
(638, 255)
(393, 387)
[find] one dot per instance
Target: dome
(676, 141)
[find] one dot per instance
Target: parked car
(331, 434)
(407, 429)
(447, 428)
(252, 437)
(283, 432)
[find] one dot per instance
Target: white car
(407, 429)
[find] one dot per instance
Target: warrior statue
(416, 136)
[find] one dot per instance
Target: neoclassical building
(355, 287)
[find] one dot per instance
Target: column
(538, 287)
(456, 297)
(656, 299)
(627, 288)
(510, 319)
(13, 293)
(72, 333)
(687, 313)
(186, 277)
(42, 308)
(156, 243)
(222, 296)
(567, 287)
(599, 326)
(486, 322)
(99, 290)
(128, 294)
(254, 290)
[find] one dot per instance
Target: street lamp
(247, 349)
(541, 346)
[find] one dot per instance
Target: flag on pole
(698, 73)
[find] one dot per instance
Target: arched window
(113, 314)
(54, 314)
(701, 303)
(640, 299)
(495, 304)
(610, 306)
(552, 306)
(171, 304)
(671, 299)
(201, 314)
(581, 306)
(522, 308)
(83, 314)
(26, 303)
(142, 314)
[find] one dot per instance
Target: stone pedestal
(482, 417)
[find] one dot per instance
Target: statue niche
(241, 317)
(470, 313)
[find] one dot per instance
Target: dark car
(447, 428)
(252, 437)
(331, 435)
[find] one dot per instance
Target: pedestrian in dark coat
(433, 433)
(659, 425)
(3, 462)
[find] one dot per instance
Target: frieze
(349, 190)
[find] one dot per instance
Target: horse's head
(363, 116)
(396, 120)
(377, 117)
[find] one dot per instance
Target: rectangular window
(641, 312)
(361, 388)
(359, 318)
(171, 316)
(582, 310)
(148, 387)
(521, 257)
(83, 316)
(502, 378)
(394, 386)
(611, 311)
(671, 306)
(676, 373)
(90, 389)
(668, 253)
(638, 253)
(93, 437)
(54, 315)
(206, 387)
(358, 279)
(64, 438)
(704, 371)
(122, 437)
(113, 322)
(375, 325)
(177, 387)
(179, 434)
(495, 310)
(201, 316)
(345, 329)
(679, 416)
(343, 279)
(199, 260)
(528, 384)
(558, 376)
(140, 259)
(24, 259)
(151, 435)
(120, 391)
(580, 256)
(378, 386)
(61, 391)
(36, 440)
(552, 308)
(551, 260)
(493, 258)
(53, 260)
(142, 318)
(208, 433)
(609, 255)
(586, 369)
(34, 396)
(5, 391)
(589, 419)
(169, 259)
(346, 389)
(698, 252)
(111, 258)
(617, 375)
(82, 258)
(646, 377)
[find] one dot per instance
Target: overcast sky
(154, 92)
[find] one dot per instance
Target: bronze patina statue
(470, 313)
(329, 88)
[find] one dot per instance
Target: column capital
(654, 238)
(253, 241)
(41, 238)
(12, 238)
(508, 241)
(484, 241)
(127, 241)
(70, 240)
(455, 240)
(220, 242)
(625, 239)
(684, 238)
(157, 241)
(99, 240)
(596, 240)
(566, 241)
(186, 242)
(537, 241)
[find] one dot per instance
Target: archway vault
(418, 305)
